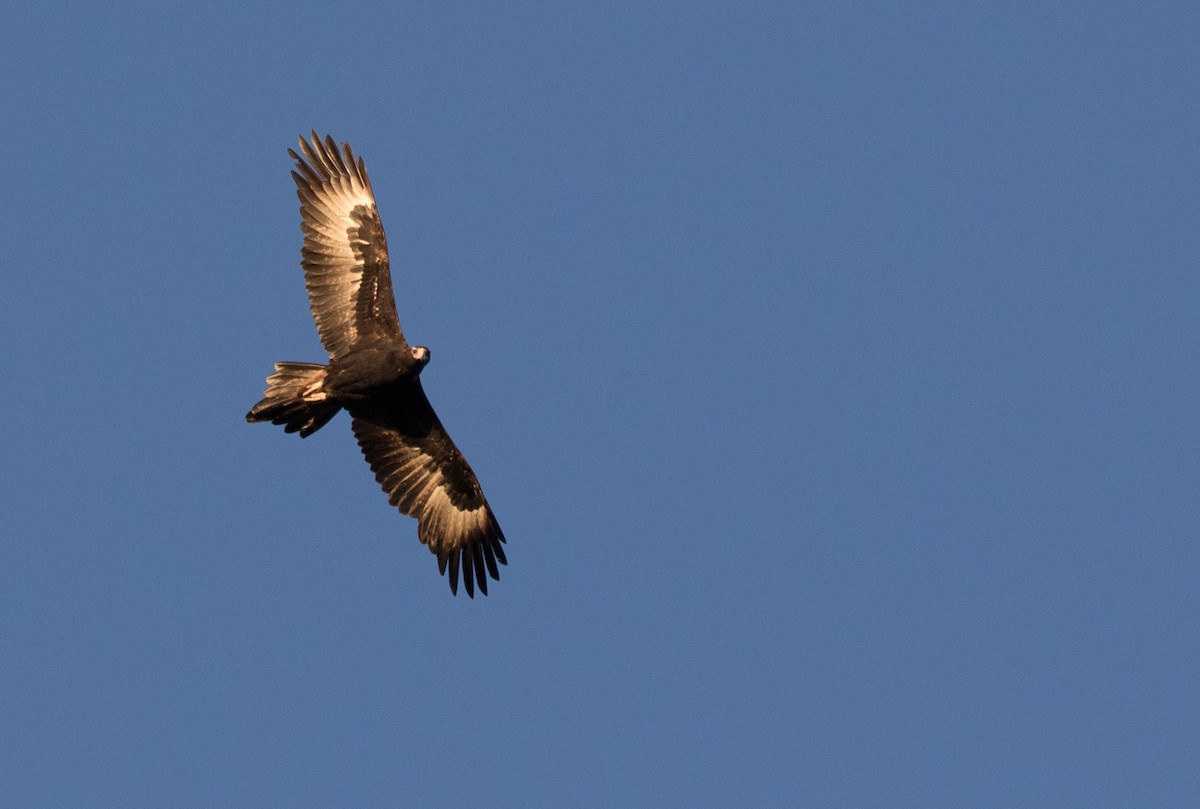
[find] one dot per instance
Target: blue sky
(831, 368)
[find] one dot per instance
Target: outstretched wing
(345, 256)
(426, 477)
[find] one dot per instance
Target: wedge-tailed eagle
(373, 373)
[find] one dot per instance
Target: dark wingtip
(489, 557)
(468, 570)
(480, 574)
(454, 574)
(476, 562)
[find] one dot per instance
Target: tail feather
(295, 398)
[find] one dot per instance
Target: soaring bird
(373, 373)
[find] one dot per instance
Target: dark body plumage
(373, 373)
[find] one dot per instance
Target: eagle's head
(421, 355)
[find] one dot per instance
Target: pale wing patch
(441, 519)
(333, 268)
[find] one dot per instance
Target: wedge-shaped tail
(295, 397)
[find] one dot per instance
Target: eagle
(373, 373)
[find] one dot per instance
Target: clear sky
(832, 370)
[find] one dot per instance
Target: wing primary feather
(468, 568)
(454, 573)
(490, 558)
(352, 166)
(305, 175)
(477, 552)
(331, 154)
(362, 172)
(313, 150)
(309, 155)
